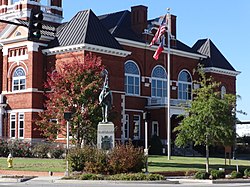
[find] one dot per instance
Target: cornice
(87, 47)
(153, 48)
(221, 71)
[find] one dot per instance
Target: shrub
(247, 172)
(201, 175)
(19, 148)
(190, 172)
(98, 163)
(126, 158)
(76, 158)
(4, 149)
(217, 174)
(90, 176)
(56, 151)
(235, 175)
(135, 177)
(122, 159)
(41, 150)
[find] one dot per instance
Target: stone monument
(105, 130)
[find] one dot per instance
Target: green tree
(73, 86)
(210, 118)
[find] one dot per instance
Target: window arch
(184, 85)
(19, 79)
(159, 82)
(132, 78)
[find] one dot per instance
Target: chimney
(139, 16)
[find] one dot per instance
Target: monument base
(105, 136)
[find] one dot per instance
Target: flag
(160, 31)
(159, 49)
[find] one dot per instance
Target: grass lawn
(34, 164)
(156, 164)
(177, 163)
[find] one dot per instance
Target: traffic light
(35, 25)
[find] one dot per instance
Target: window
(21, 125)
(132, 78)
(223, 91)
(137, 128)
(159, 82)
(19, 79)
(12, 125)
(184, 86)
(126, 127)
(155, 128)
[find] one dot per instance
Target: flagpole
(168, 89)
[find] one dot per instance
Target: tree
(210, 118)
(74, 86)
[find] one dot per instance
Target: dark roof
(183, 47)
(214, 57)
(119, 25)
(84, 27)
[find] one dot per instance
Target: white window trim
(18, 78)
(157, 132)
(186, 83)
(139, 127)
(126, 122)
(19, 125)
(12, 114)
(134, 76)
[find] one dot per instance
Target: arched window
(223, 91)
(132, 78)
(159, 82)
(19, 79)
(184, 85)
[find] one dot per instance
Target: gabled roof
(215, 58)
(84, 27)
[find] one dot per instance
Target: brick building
(137, 81)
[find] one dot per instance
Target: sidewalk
(30, 173)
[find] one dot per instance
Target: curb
(116, 182)
(218, 181)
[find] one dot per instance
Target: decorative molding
(221, 71)
(88, 47)
(24, 110)
(153, 48)
(28, 90)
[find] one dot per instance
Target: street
(38, 183)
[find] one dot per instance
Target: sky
(225, 22)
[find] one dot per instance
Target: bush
(56, 151)
(235, 175)
(20, 148)
(122, 159)
(247, 172)
(4, 149)
(217, 174)
(201, 175)
(135, 177)
(41, 150)
(126, 158)
(90, 176)
(98, 163)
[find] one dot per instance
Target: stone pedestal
(105, 136)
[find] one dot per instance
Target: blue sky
(225, 22)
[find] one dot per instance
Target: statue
(105, 100)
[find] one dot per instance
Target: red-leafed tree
(73, 86)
